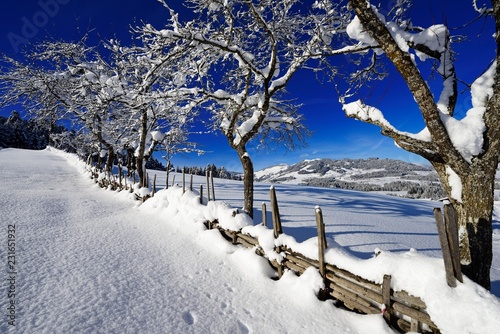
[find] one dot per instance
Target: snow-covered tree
(244, 53)
(72, 81)
(153, 78)
(34, 87)
(126, 100)
(465, 151)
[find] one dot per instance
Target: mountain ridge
(385, 175)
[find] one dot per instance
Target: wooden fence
(402, 311)
(119, 183)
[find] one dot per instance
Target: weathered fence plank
(154, 185)
(353, 286)
(251, 240)
(264, 215)
(451, 225)
(321, 241)
(275, 213)
(213, 187)
(322, 245)
(201, 193)
(445, 247)
(208, 186)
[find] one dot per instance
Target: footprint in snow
(243, 328)
(188, 318)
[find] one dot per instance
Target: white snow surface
(91, 260)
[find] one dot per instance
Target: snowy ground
(95, 261)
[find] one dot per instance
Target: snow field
(95, 261)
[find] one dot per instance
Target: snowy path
(89, 261)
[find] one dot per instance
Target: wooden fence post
(191, 183)
(173, 180)
(275, 214)
(201, 193)
(183, 180)
(213, 187)
(264, 215)
(154, 185)
(322, 245)
(276, 225)
(386, 297)
(120, 174)
(208, 186)
(451, 225)
(445, 247)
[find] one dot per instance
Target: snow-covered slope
(373, 170)
(383, 175)
(95, 261)
(344, 169)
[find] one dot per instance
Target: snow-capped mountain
(374, 174)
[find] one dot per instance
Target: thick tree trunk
(248, 174)
(140, 171)
(475, 213)
(480, 245)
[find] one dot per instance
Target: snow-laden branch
(432, 42)
(416, 143)
(481, 10)
(360, 111)
(394, 43)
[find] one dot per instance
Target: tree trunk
(248, 174)
(110, 159)
(130, 162)
(142, 147)
(140, 171)
(475, 215)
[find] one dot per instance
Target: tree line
(33, 134)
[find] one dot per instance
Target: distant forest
(16, 132)
(431, 190)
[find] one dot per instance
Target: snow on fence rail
(401, 310)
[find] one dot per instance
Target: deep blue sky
(334, 135)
